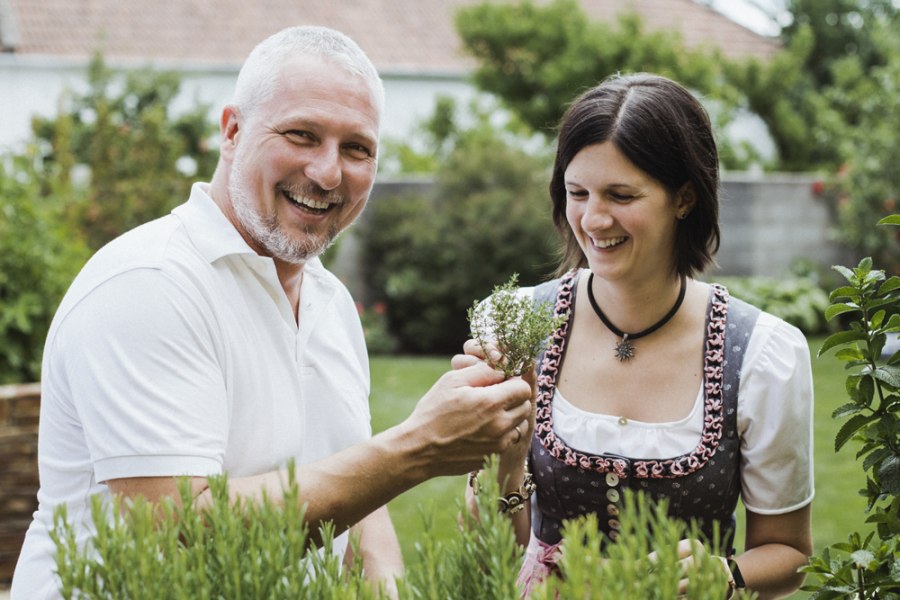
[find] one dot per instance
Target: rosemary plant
(515, 324)
(261, 550)
(625, 569)
(232, 550)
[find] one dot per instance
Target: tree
(105, 164)
(802, 94)
(828, 99)
(123, 134)
(840, 28)
(537, 58)
(867, 187)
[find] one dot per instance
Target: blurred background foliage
(112, 159)
(428, 257)
(117, 156)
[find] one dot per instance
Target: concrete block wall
(768, 223)
(19, 409)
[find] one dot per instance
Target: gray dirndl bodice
(702, 485)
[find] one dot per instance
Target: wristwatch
(737, 579)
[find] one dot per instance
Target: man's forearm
(345, 487)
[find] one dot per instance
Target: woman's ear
(685, 200)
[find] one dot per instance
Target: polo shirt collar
(209, 229)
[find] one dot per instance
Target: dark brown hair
(664, 131)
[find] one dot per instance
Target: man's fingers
(461, 361)
(519, 410)
(476, 374)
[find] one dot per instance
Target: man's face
(301, 166)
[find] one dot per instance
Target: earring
(682, 215)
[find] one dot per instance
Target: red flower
(817, 187)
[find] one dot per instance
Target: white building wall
(35, 87)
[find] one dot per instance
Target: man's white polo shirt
(176, 352)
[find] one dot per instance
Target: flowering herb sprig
(515, 324)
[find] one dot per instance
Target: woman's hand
(511, 467)
(691, 552)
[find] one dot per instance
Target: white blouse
(774, 423)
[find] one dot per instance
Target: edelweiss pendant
(624, 349)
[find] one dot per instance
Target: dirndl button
(614, 524)
(612, 495)
(613, 534)
(612, 510)
(612, 480)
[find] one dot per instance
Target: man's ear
(685, 200)
(229, 127)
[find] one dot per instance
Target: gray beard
(265, 230)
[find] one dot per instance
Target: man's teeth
(309, 202)
(609, 242)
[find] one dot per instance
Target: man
(212, 340)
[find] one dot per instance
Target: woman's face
(623, 219)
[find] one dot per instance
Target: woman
(658, 382)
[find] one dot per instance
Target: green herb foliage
(515, 324)
(173, 551)
(625, 569)
(256, 550)
(867, 567)
(798, 300)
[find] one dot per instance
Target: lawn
(398, 382)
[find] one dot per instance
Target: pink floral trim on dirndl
(653, 468)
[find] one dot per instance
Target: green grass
(398, 383)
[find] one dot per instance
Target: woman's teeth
(609, 242)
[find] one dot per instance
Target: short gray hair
(260, 72)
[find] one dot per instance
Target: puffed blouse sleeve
(775, 419)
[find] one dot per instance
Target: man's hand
(469, 413)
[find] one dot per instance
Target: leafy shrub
(867, 568)
(107, 163)
(379, 339)
(429, 257)
(39, 256)
(798, 300)
(122, 135)
(260, 550)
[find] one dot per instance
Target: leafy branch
(867, 568)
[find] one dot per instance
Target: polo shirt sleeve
(142, 362)
(775, 419)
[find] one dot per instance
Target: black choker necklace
(625, 349)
